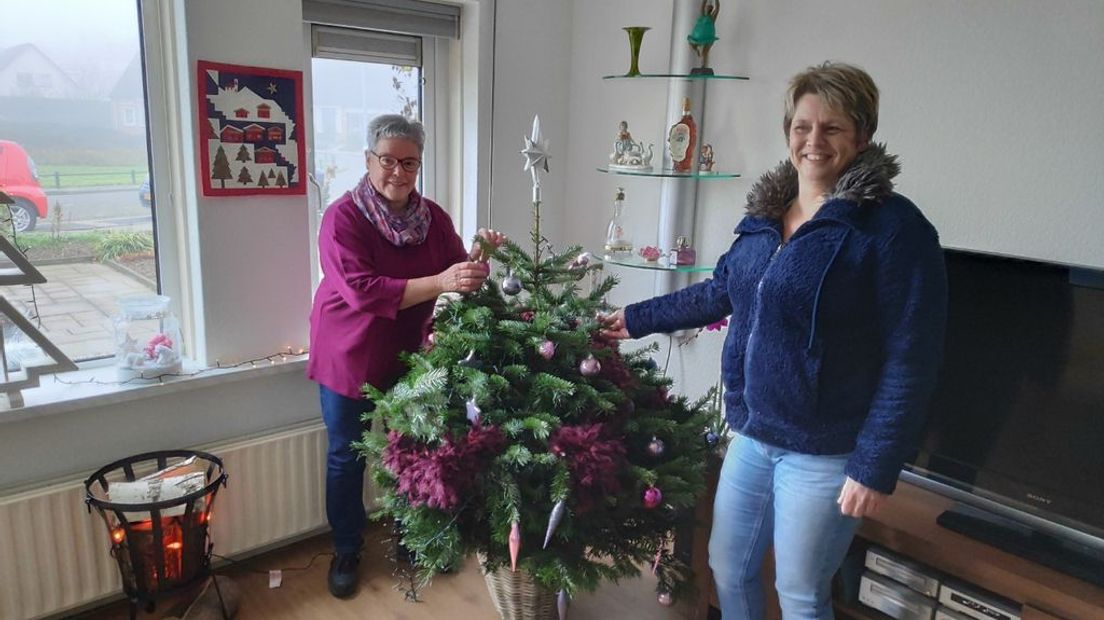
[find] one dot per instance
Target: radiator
(54, 554)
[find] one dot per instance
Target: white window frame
(170, 128)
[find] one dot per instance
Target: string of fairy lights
(289, 354)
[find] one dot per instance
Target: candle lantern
(158, 523)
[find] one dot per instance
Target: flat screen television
(1015, 429)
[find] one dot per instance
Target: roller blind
(365, 46)
(415, 17)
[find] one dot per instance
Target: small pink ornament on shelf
(684, 254)
(650, 253)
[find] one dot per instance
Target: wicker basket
(517, 596)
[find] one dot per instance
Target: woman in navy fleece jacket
(837, 295)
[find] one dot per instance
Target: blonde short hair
(840, 86)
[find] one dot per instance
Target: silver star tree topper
(536, 156)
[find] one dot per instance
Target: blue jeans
(769, 495)
(344, 469)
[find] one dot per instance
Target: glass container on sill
(147, 338)
(617, 242)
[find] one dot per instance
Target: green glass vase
(636, 35)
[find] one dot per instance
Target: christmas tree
(519, 433)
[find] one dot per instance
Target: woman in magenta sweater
(387, 252)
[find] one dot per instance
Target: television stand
(907, 525)
(1015, 538)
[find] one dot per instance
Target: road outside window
(73, 157)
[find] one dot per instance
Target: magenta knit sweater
(357, 329)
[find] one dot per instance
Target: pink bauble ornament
(665, 599)
(590, 366)
(547, 349)
(652, 497)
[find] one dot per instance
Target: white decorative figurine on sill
(627, 153)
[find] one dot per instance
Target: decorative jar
(147, 338)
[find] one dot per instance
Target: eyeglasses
(410, 164)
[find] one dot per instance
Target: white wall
(992, 105)
(531, 49)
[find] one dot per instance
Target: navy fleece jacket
(835, 337)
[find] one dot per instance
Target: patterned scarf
(409, 228)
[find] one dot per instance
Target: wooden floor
(460, 595)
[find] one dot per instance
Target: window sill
(80, 389)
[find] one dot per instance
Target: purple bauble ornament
(590, 366)
(665, 599)
(656, 447)
(561, 604)
(711, 439)
(547, 349)
(652, 497)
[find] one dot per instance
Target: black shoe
(343, 574)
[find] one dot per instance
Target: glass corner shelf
(671, 174)
(676, 76)
(636, 262)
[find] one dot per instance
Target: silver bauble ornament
(656, 447)
(665, 599)
(511, 285)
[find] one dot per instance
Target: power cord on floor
(246, 566)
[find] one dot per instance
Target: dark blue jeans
(344, 469)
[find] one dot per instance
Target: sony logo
(1038, 498)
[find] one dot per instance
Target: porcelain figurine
(629, 154)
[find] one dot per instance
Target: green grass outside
(69, 176)
(45, 239)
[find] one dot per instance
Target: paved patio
(76, 305)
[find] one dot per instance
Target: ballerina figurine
(704, 34)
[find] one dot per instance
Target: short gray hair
(395, 126)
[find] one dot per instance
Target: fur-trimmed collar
(868, 178)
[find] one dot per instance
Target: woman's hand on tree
(613, 325)
(463, 277)
(491, 237)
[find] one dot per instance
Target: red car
(19, 179)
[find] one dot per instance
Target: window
(350, 86)
(84, 217)
(372, 57)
